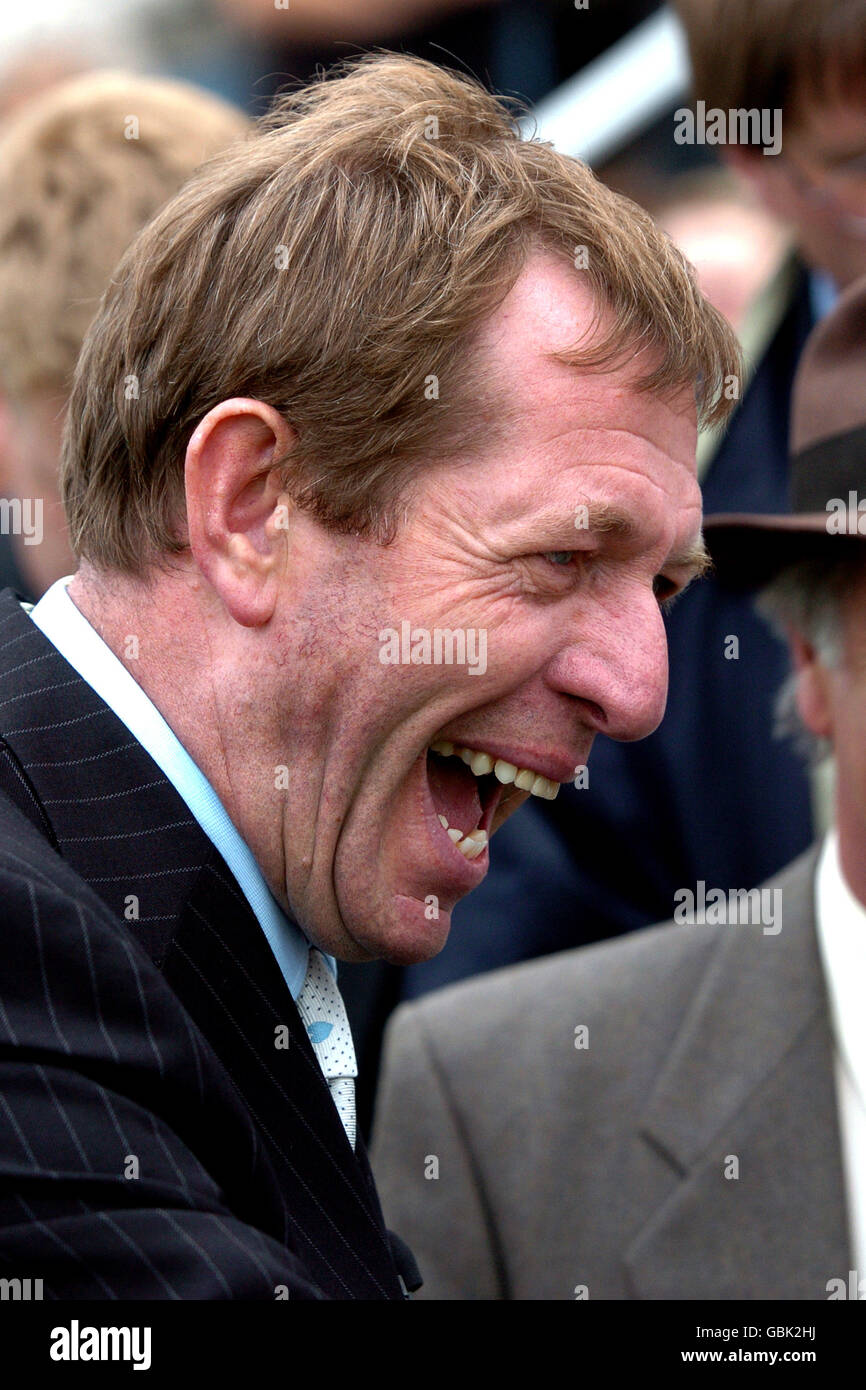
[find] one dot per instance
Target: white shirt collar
(841, 924)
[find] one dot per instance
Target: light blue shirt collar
(69, 631)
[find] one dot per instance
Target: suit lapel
(113, 814)
(222, 968)
(748, 1089)
(122, 826)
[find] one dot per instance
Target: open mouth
(466, 785)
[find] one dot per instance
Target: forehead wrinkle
(609, 515)
(571, 434)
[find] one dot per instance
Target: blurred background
(714, 794)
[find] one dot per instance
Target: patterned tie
(323, 1012)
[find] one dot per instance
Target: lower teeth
(471, 845)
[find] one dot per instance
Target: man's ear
(814, 702)
(236, 513)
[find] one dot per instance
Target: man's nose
(618, 671)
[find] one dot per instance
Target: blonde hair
(82, 168)
(335, 267)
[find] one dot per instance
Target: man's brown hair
(335, 266)
(775, 54)
(82, 168)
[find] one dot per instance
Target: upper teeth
(481, 764)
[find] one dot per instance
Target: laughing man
(349, 378)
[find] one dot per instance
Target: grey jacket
(650, 1118)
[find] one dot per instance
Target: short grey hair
(808, 597)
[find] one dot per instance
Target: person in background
(83, 166)
(807, 62)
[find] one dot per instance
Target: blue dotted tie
(323, 1012)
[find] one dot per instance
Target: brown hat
(828, 462)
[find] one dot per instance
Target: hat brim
(748, 550)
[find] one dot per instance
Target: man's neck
(151, 627)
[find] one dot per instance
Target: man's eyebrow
(607, 518)
(695, 557)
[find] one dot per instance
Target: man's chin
(409, 930)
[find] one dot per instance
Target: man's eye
(560, 557)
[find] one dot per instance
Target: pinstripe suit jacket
(155, 1142)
